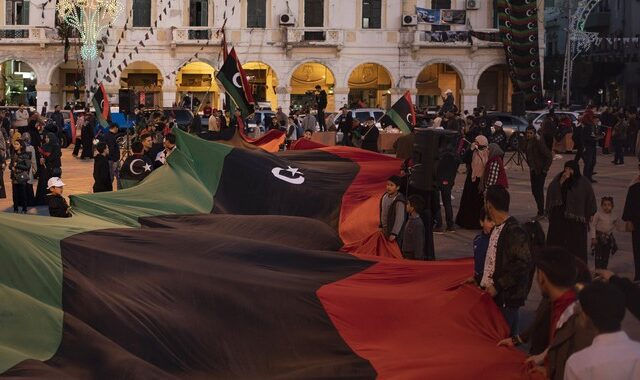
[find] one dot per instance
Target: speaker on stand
(126, 101)
(518, 107)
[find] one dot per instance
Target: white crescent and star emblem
(296, 177)
(146, 167)
(237, 80)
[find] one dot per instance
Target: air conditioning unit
(287, 19)
(409, 20)
(473, 4)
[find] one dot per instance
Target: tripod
(517, 157)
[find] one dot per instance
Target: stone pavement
(612, 180)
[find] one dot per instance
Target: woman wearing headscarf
(494, 169)
(87, 137)
(570, 205)
(26, 138)
(472, 200)
(50, 164)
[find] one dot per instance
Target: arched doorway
(303, 82)
(198, 78)
(369, 85)
(433, 81)
(67, 84)
(145, 80)
(495, 89)
(17, 83)
(263, 81)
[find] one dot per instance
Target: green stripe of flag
(398, 121)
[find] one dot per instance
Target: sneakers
(451, 229)
(438, 230)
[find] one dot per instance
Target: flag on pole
(100, 103)
(402, 114)
(230, 75)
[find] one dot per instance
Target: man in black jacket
(446, 175)
(631, 215)
(109, 139)
(539, 159)
(321, 104)
(101, 170)
(58, 119)
(370, 134)
(344, 126)
(508, 264)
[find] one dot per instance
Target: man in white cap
(58, 206)
(448, 102)
(499, 136)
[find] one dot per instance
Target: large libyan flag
(234, 270)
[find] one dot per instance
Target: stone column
(169, 92)
(469, 99)
(340, 97)
(284, 99)
(43, 95)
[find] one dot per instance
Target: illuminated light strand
(90, 18)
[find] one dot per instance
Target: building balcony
(193, 35)
(26, 34)
(303, 37)
(451, 39)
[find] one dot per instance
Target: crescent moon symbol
(294, 181)
(236, 80)
(131, 167)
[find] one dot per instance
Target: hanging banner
(428, 16)
(445, 37)
(453, 16)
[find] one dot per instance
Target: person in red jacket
(494, 173)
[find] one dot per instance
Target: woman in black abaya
(472, 200)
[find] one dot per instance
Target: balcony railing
(26, 34)
(314, 37)
(193, 34)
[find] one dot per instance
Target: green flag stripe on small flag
(398, 121)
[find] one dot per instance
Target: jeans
(537, 189)
(512, 317)
(434, 205)
(579, 153)
(618, 146)
(76, 147)
(445, 193)
(321, 122)
(589, 158)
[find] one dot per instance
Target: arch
(369, 83)
(198, 79)
(305, 77)
(495, 88)
(145, 79)
(62, 78)
(484, 68)
(264, 81)
(299, 65)
(434, 79)
(18, 82)
(453, 65)
(348, 73)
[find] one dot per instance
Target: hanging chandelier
(90, 18)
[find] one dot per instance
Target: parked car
(362, 114)
(183, 116)
(537, 117)
(257, 121)
(512, 125)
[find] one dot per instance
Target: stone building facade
(358, 50)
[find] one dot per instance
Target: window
(141, 13)
(256, 13)
(199, 16)
(496, 18)
(17, 12)
(440, 4)
(371, 14)
(314, 13)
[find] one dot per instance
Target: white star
(147, 167)
(293, 171)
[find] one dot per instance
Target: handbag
(22, 178)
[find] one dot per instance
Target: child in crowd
(481, 244)
(413, 234)
(58, 206)
(603, 243)
(392, 209)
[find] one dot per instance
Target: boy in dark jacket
(392, 209)
(101, 170)
(413, 234)
(58, 206)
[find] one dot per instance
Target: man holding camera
(539, 159)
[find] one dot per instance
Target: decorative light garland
(90, 18)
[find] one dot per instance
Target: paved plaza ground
(612, 181)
